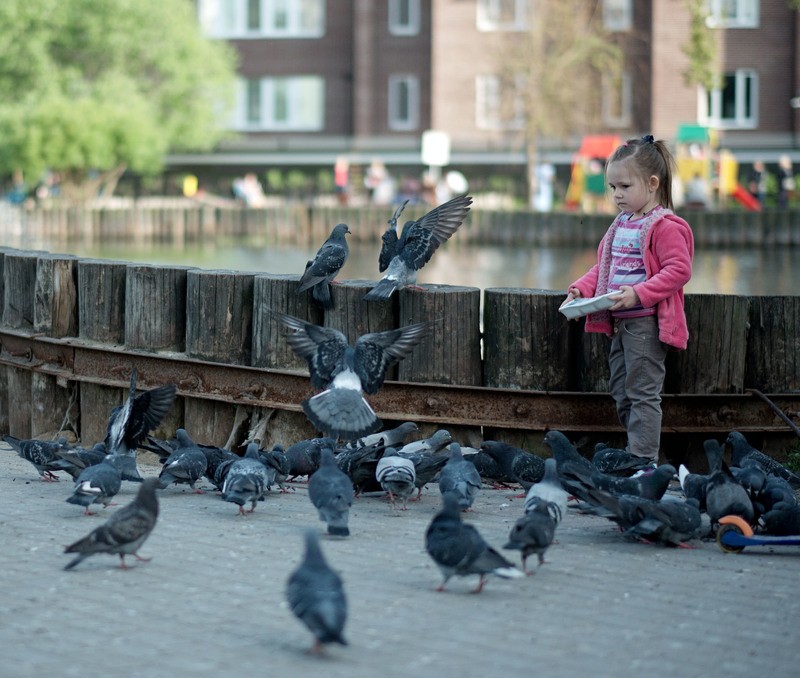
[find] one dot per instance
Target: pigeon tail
(321, 293)
(341, 413)
(338, 530)
(382, 291)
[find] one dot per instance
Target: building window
(404, 17)
(617, 101)
(735, 104)
(281, 104)
(262, 18)
(403, 102)
(733, 13)
(502, 15)
(498, 105)
(618, 15)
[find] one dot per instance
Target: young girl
(646, 255)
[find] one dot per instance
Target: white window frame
(620, 92)
(710, 103)
(300, 96)
(395, 121)
(396, 25)
(489, 102)
(211, 12)
(489, 16)
(734, 13)
(618, 15)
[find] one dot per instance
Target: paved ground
(211, 602)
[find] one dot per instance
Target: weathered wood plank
(101, 300)
(55, 311)
(19, 401)
(19, 273)
(773, 344)
(155, 307)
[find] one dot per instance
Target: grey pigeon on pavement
(741, 451)
(693, 485)
(650, 485)
(459, 479)
(331, 492)
(426, 466)
(187, 464)
(457, 548)
(782, 520)
(129, 424)
(97, 484)
(278, 465)
(397, 476)
(440, 439)
(325, 266)
(518, 466)
(549, 491)
(346, 372)
(40, 453)
(359, 465)
(571, 467)
(304, 456)
(394, 437)
(416, 245)
(725, 496)
(316, 596)
(74, 460)
(124, 532)
(247, 480)
(533, 532)
(618, 462)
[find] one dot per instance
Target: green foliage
(793, 458)
(92, 85)
(701, 48)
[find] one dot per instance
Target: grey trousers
(637, 368)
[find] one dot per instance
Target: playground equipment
(587, 179)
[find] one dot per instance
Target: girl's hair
(649, 158)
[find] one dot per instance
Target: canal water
(741, 271)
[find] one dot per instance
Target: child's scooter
(735, 533)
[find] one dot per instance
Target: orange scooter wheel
(735, 524)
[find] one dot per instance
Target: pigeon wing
(422, 238)
(377, 352)
(389, 241)
(322, 347)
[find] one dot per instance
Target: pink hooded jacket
(668, 249)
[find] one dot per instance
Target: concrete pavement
(211, 602)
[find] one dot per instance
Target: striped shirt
(627, 265)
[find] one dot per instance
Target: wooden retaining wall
(181, 221)
(225, 317)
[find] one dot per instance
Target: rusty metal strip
(77, 360)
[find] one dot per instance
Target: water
(716, 271)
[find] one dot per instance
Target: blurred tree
(92, 87)
(556, 70)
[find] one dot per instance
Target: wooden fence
(224, 317)
(181, 221)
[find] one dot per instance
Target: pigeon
(304, 456)
(426, 466)
(129, 424)
(97, 484)
(571, 467)
(742, 450)
(331, 492)
(389, 438)
(693, 485)
(247, 480)
(440, 439)
(40, 453)
(724, 495)
(74, 460)
(277, 464)
(458, 548)
(618, 462)
(186, 464)
(416, 245)
(549, 491)
(346, 372)
(325, 266)
(533, 532)
(124, 532)
(389, 240)
(487, 467)
(316, 596)
(397, 476)
(359, 465)
(669, 522)
(650, 486)
(782, 520)
(459, 479)
(518, 466)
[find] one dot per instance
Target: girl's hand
(572, 293)
(627, 299)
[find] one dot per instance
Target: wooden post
(526, 340)
(3, 368)
(101, 300)
(773, 344)
(19, 273)
(714, 361)
(219, 312)
(155, 307)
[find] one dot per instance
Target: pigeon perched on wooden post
(325, 266)
(40, 453)
(416, 245)
(331, 492)
(316, 596)
(346, 372)
(458, 548)
(124, 532)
